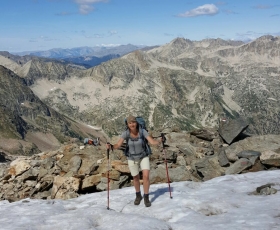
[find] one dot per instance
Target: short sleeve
(124, 135)
(145, 133)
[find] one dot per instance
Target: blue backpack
(142, 126)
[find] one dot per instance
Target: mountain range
(86, 56)
(183, 84)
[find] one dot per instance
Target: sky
(221, 203)
(35, 25)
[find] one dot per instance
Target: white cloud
(86, 9)
(112, 32)
(263, 7)
(85, 6)
(207, 9)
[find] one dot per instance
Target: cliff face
(27, 124)
(187, 84)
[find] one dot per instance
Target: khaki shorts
(135, 165)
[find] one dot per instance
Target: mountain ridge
(187, 84)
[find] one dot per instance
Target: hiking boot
(138, 198)
(146, 200)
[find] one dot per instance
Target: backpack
(91, 141)
(142, 125)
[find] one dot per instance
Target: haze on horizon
(34, 25)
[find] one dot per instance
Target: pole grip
(163, 139)
(108, 150)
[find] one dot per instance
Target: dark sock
(146, 194)
(138, 193)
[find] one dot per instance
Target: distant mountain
(86, 56)
(90, 61)
(97, 51)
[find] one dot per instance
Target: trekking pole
(108, 172)
(163, 140)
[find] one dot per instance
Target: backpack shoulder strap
(127, 135)
(141, 133)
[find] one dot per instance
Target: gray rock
(248, 153)
(187, 149)
(48, 163)
(270, 158)
(168, 155)
(254, 143)
(178, 174)
(232, 128)
(159, 175)
(258, 189)
(217, 144)
(74, 164)
(205, 134)
(30, 174)
(181, 161)
(173, 138)
(268, 191)
(91, 181)
(238, 166)
(209, 167)
(253, 159)
(223, 160)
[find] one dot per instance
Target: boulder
(181, 161)
(173, 139)
(209, 167)
(159, 175)
(113, 174)
(120, 166)
(238, 166)
(91, 181)
(248, 154)
(270, 157)
(18, 166)
(254, 143)
(103, 185)
(65, 187)
(223, 160)
(232, 128)
(74, 164)
(205, 134)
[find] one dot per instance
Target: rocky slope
(27, 125)
(201, 155)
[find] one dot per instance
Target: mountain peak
(181, 41)
(267, 38)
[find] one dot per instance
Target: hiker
(137, 157)
(94, 142)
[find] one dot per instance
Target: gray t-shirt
(135, 144)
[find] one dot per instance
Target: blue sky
(29, 25)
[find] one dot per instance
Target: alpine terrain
(184, 84)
